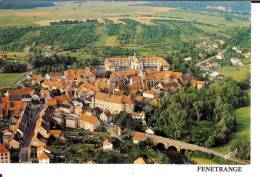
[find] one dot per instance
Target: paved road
(210, 58)
(29, 71)
(30, 116)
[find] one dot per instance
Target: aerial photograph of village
(125, 82)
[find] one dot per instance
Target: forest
(181, 114)
(24, 4)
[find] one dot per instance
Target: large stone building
(136, 62)
(113, 103)
(88, 122)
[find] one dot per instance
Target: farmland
(8, 79)
(107, 10)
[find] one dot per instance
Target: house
(215, 45)
(139, 99)
(236, 49)
(88, 122)
(138, 137)
(52, 85)
(136, 80)
(71, 122)
(187, 59)
(2, 110)
(4, 154)
(138, 115)
(149, 131)
(22, 94)
(198, 84)
(220, 56)
(91, 162)
(52, 102)
(7, 136)
(105, 116)
(247, 55)
(43, 158)
(107, 145)
(221, 41)
(42, 149)
(215, 75)
(150, 94)
(236, 61)
(140, 160)
(66, 108)
(62, 99)
(45, 93)
(55, 133)
(78, 110)
(36, 79)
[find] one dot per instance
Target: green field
(236, 73)
(243, 128)
(113, 10)
(8, 79)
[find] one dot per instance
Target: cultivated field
(108, 10)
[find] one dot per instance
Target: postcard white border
(72, 170)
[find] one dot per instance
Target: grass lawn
(19, 56)
(214, 160)
(202, 161)
(7, 79)
(236, 73)
(112, 41)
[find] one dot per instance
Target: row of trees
(57, 63)
(9, 66)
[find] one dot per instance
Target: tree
(242, 148)
(173, 121)
(198, 106)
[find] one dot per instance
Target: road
(30, 116)
(210, 58)
(29, 71)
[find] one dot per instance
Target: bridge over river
(181, 146)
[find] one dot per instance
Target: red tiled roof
(21, 91)
(3, 149)
(89, 119)
(43, 156)
(139, 136)
(55, 132)
(196, 82)
(113, 98)
(106, 142)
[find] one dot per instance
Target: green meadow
(8, 79)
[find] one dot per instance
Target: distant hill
(238, 6)
(24, 4)
(230, 6)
